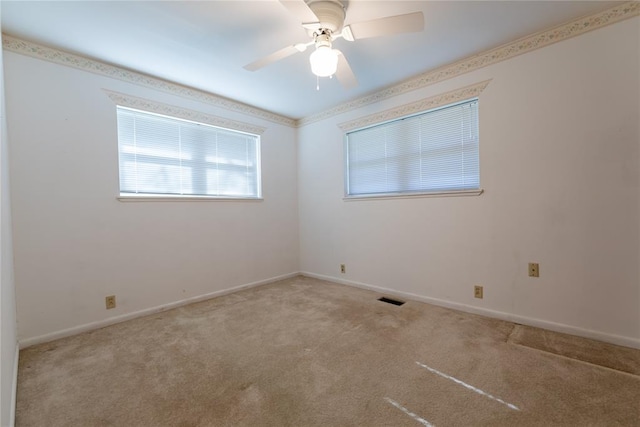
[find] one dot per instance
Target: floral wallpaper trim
(446, 98)
(490, 57)
(181, 113)
(93, 66)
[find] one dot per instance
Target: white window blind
(161, 155)
(429, 152)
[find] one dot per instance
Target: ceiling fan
(324, 22)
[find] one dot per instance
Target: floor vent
(391, 301)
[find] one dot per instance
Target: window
(160, 155)
(434, 151)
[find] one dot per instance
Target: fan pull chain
(317, 83)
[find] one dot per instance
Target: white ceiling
(205, 44)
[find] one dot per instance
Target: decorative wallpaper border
(507, 51)
(56, 56)
(451, 97)
(501, 53)
(182, 113)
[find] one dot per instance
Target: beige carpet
(304, 352)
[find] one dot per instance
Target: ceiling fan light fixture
(324, 61)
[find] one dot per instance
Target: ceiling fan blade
(270, 59)
(409, 23)
(344, 74)
(300, 10)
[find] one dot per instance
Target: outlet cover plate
(110, 302)
(478, 291)
(534, 269)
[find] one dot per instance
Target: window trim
(181, 198)
(154, 107)
(159, 108)
(413, 195)
(435, 103)
(185, 115)
(407, 110)
(413, 108)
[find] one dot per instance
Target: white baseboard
(14, 387)
(510, 317)
(117, 319)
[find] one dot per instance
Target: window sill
(166, 198)
(414, 195)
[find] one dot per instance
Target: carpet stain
(611, 356)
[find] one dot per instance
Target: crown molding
(181, 113)
(446, 98)
(60, 57)
(501, 53)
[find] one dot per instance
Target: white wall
(8, 340)
(75, 243)
(559, 141)
(559, 165)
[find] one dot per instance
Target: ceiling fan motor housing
(330, 13)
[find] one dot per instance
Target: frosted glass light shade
(324, 61)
